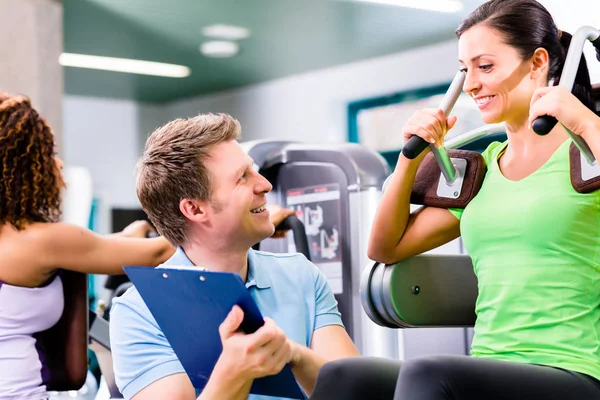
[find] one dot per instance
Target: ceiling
(287, 37)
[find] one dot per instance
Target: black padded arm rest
(65, 345)
(431, 291)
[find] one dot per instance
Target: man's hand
(295, 355)
(249, 356)
(277, 215)
(328, 343)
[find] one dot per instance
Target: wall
(31, 40)
(309, 107)
(569, 17)
(312, 107)
(107, 136)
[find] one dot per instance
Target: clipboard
(189, 304)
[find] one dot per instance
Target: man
(200, 190)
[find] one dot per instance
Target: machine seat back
(65, 345)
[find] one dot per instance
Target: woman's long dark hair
(526, 25)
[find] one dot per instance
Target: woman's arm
(560, 103)
(592, 138)
(74, 248)
(397, 234)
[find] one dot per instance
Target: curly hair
(29, 183)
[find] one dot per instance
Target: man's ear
(194, 210)
(540, 62)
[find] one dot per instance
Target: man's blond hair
(172, 168)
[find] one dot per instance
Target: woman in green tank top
(534, 240)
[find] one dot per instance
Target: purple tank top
(23, 313)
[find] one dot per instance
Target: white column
(31, 40)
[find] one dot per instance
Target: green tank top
(535, 245)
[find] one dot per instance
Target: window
(377, 123)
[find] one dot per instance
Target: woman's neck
(523, 142)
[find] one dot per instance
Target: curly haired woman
(34, 245)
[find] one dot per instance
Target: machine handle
(300, 239)
(415, 145)
(544, 124)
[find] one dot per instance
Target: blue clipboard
(189, 305)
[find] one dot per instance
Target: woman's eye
(463, 69)
(485, 67)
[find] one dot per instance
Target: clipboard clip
(182, 267)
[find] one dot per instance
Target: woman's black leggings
(451, 378)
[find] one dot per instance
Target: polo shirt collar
(257, 274)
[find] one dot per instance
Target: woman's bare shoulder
(23, 261)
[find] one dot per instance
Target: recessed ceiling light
(123, 65)
(226, 32)
(448, 6)
(219, 49)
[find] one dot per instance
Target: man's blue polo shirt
(286, 287)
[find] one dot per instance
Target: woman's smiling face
(498, 79)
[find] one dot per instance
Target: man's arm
(220, 386)
(176, 387)
(146, 367)
(223, 385)
(328, 343)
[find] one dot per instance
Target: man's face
(238, 200)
